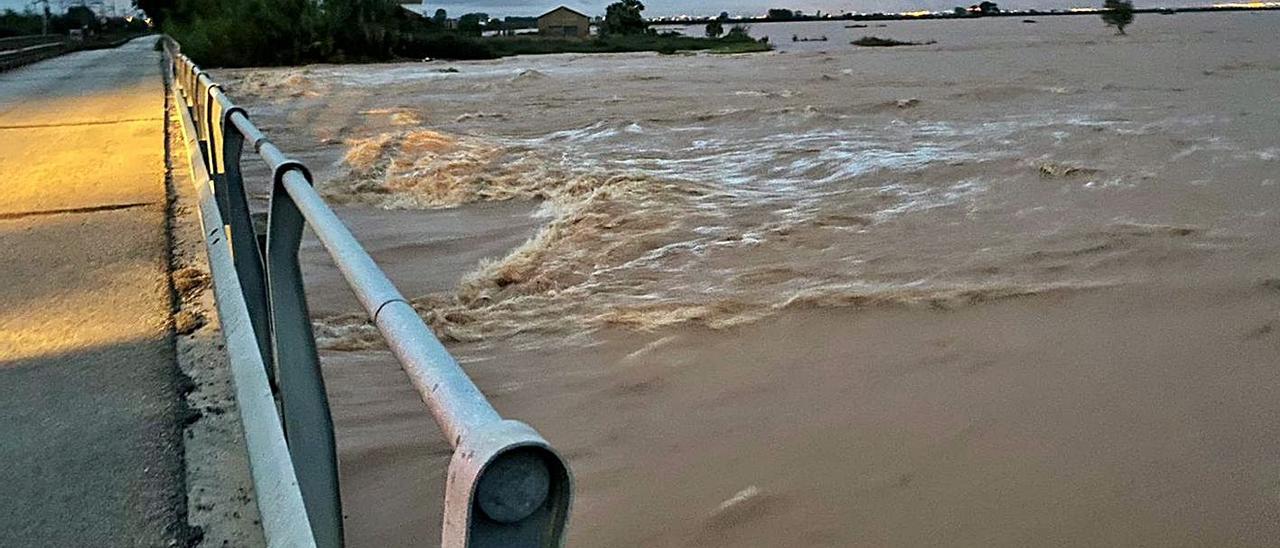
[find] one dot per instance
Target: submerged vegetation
(233, 33)
(877, 42)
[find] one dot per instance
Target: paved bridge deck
(89, 431)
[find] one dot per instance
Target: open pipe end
(508, 488)
(514, 485)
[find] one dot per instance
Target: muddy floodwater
(1017, 287)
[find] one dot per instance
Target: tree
(625, 17)
(157, 10)
(351, 29)
(724, 16)
(780, 14)
(1118, 14)
(441, 17)
(472, 23)
(13, 23)
(81, 17)
(292, 32)
(715, 29)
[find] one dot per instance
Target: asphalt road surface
(90, 415)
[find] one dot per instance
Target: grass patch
(742, 47)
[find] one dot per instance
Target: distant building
(417, 8)
(564, 22)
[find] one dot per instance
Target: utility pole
(44, 25)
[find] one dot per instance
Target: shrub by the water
(715, 29)
(739, 33)
(1118, 14)
(444, 45)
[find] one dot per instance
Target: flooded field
(1015, 287)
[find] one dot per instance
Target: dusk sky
(121, 6)
(657, 8)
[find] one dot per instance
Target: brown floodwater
(1015, 287)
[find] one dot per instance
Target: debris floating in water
(1052, 171)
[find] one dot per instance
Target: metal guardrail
(17, 42)
(284, 516)
(19, 53)
(506, 485)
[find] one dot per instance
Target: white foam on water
(719, 223)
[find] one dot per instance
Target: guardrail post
(187, 70)
(303, 399)
(234, 205)
(199, 105)
(211, 124)
(217, 137)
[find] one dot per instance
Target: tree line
(82, 18)
(282, 32)
(292, 32)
